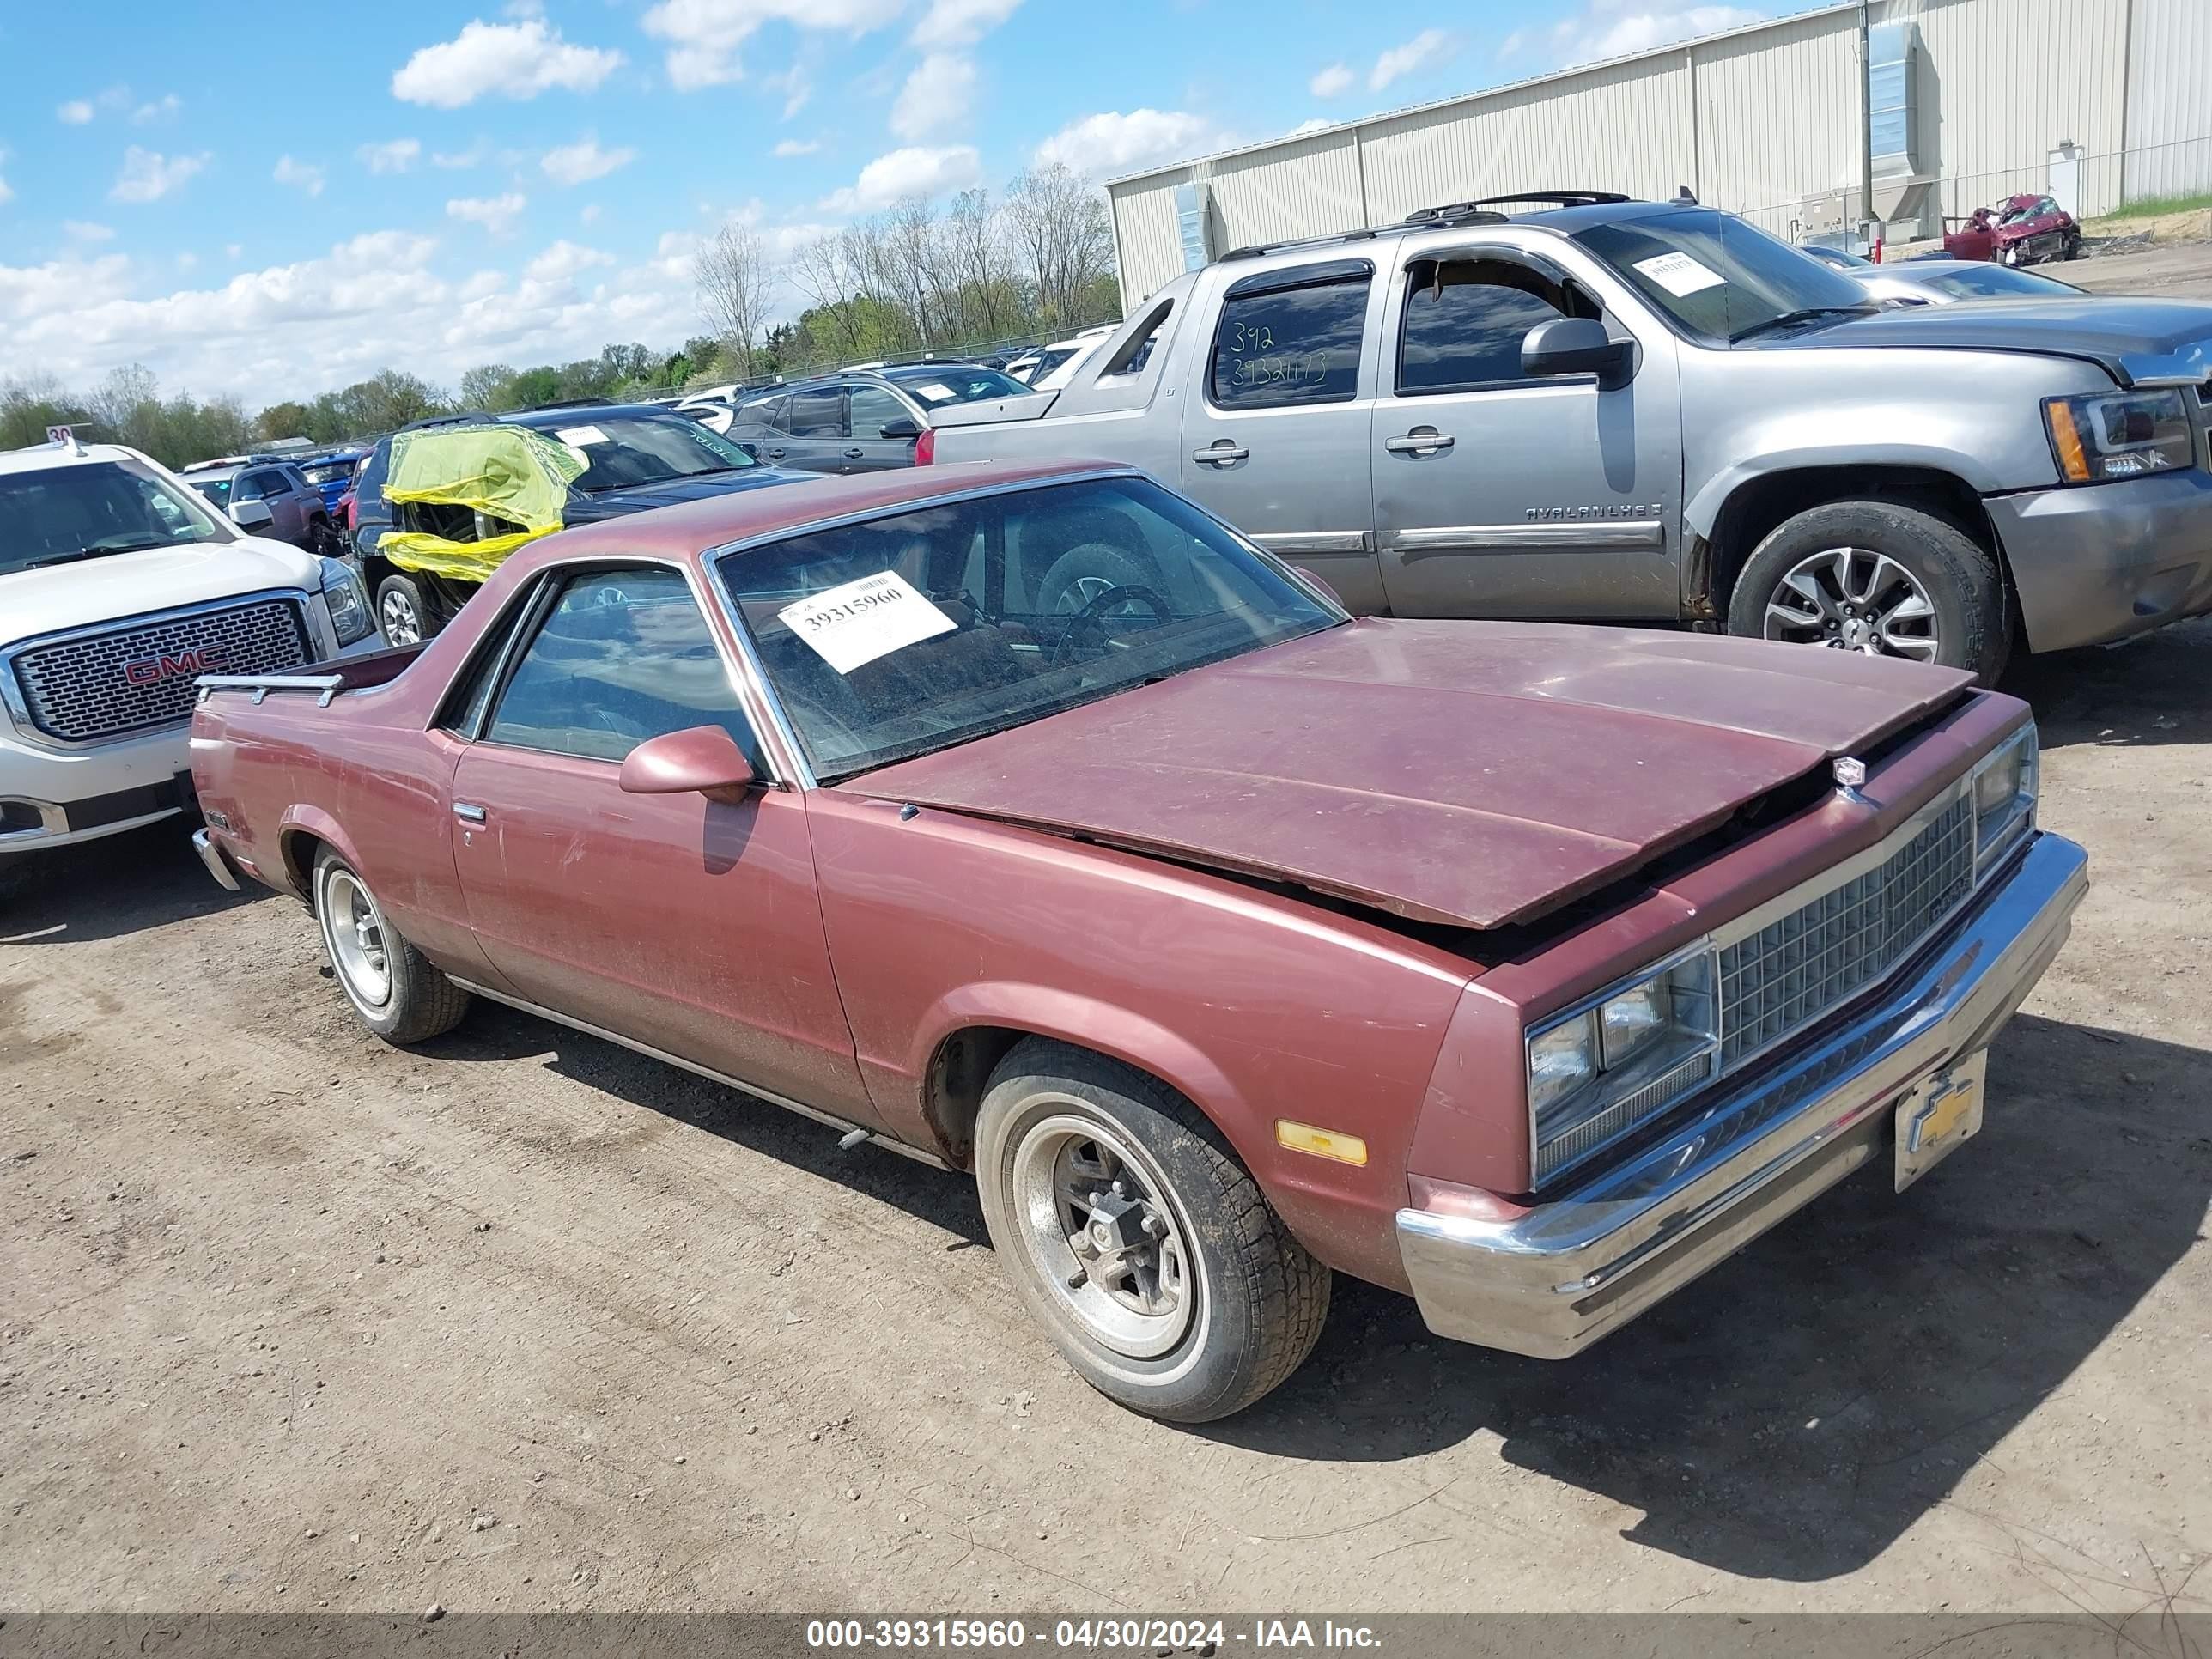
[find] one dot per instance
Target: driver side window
(620, 656)
(1465, 320)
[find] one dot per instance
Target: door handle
(1221, 454)
(468, 811)
(1421, 441)
(775, 454)
(855, 454)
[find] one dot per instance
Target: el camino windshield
(1723, 280)
(900, 636)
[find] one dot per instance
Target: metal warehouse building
(1961, 103)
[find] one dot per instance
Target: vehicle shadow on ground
(103, 888)
(1790, 1414)
(494, 1032)
(2152, 690)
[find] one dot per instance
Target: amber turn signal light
(1321, 1143)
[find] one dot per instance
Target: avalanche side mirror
(1577, 345)
(252, 515)
(702, 759)
(904, 427)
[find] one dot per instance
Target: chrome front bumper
(212, 856)
(1583, 1264)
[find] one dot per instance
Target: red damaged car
(2020, 231)
(1227, 941)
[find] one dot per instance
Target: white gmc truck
(120, 585)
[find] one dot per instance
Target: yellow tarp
(520, 475)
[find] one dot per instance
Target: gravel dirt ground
(293, 1321)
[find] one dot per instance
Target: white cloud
(515, 60)
(474, 157)
(564, 260)
(82, 230)
(234, 251)
(187, 260)
(7, 194)
(1318, 123)
(1099, 146)
(1612, 29)
(1333, 82)
(789, 148)
(497, 214)
(936, 96)
(704, 36)
(590, 216)
(795, 86)
(1425, 50)
(582, 162)
(960, 22)
(75, 112)
(394, 156)
(912, 172)
(166, 105)
(148, 175)
(290, 171)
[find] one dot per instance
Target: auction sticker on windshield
(852, 624)
(579, 435)
(1679, 274)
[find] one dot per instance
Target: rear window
(1290, 345)
(958, 383)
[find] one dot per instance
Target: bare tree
(119, 399)
(821, 271)
(1059, 226)
(734, 284)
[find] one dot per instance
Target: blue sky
(272, 201)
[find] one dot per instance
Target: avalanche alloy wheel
(1097, 1230)
(1854, 599)
(354, 928)
(395, 617)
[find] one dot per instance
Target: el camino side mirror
(702, 759)
(252, 515)
(1577, 345)
(904, 427)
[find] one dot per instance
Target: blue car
(333, 474)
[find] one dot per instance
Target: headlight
(1608, 1064)
(2123, 434)
(2005, 797)
(348, 605)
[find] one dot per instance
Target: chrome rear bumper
(1583, 1264)
(211, 855)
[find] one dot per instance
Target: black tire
(1255, 1300)
(404, 606)
(1084, 571)
(1959, 577)
(418, 1001)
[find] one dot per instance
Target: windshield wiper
(1803, 314)
(83, 553)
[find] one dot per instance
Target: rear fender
(295, 874)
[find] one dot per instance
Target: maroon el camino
(1227, 941)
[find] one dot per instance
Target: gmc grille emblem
(152, 671)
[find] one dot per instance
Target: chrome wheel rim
(1854, 599)
(354, 928)
(1097, 1228)
(397, 617)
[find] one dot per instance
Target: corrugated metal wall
(2169, 123)
(1757, 121)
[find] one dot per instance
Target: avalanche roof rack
(1477, 212)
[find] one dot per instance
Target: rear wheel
(398, 992)
(405, 612)
(1888, 582)
(1136, 1239)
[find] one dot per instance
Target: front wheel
(405, 613)
(1135, 1237)
(1884, 580)
(398, 992)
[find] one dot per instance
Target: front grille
(134, 678)
(1795, 969)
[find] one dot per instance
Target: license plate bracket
(1940, 1114)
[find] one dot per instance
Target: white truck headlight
(349, 606)
(1611, 1061)
(2121, 434)
(2004, 796)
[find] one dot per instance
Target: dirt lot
(521, 1322)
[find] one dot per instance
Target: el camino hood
(2137, 342)
(1470, 774)
(615, 503)
(91, 591)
